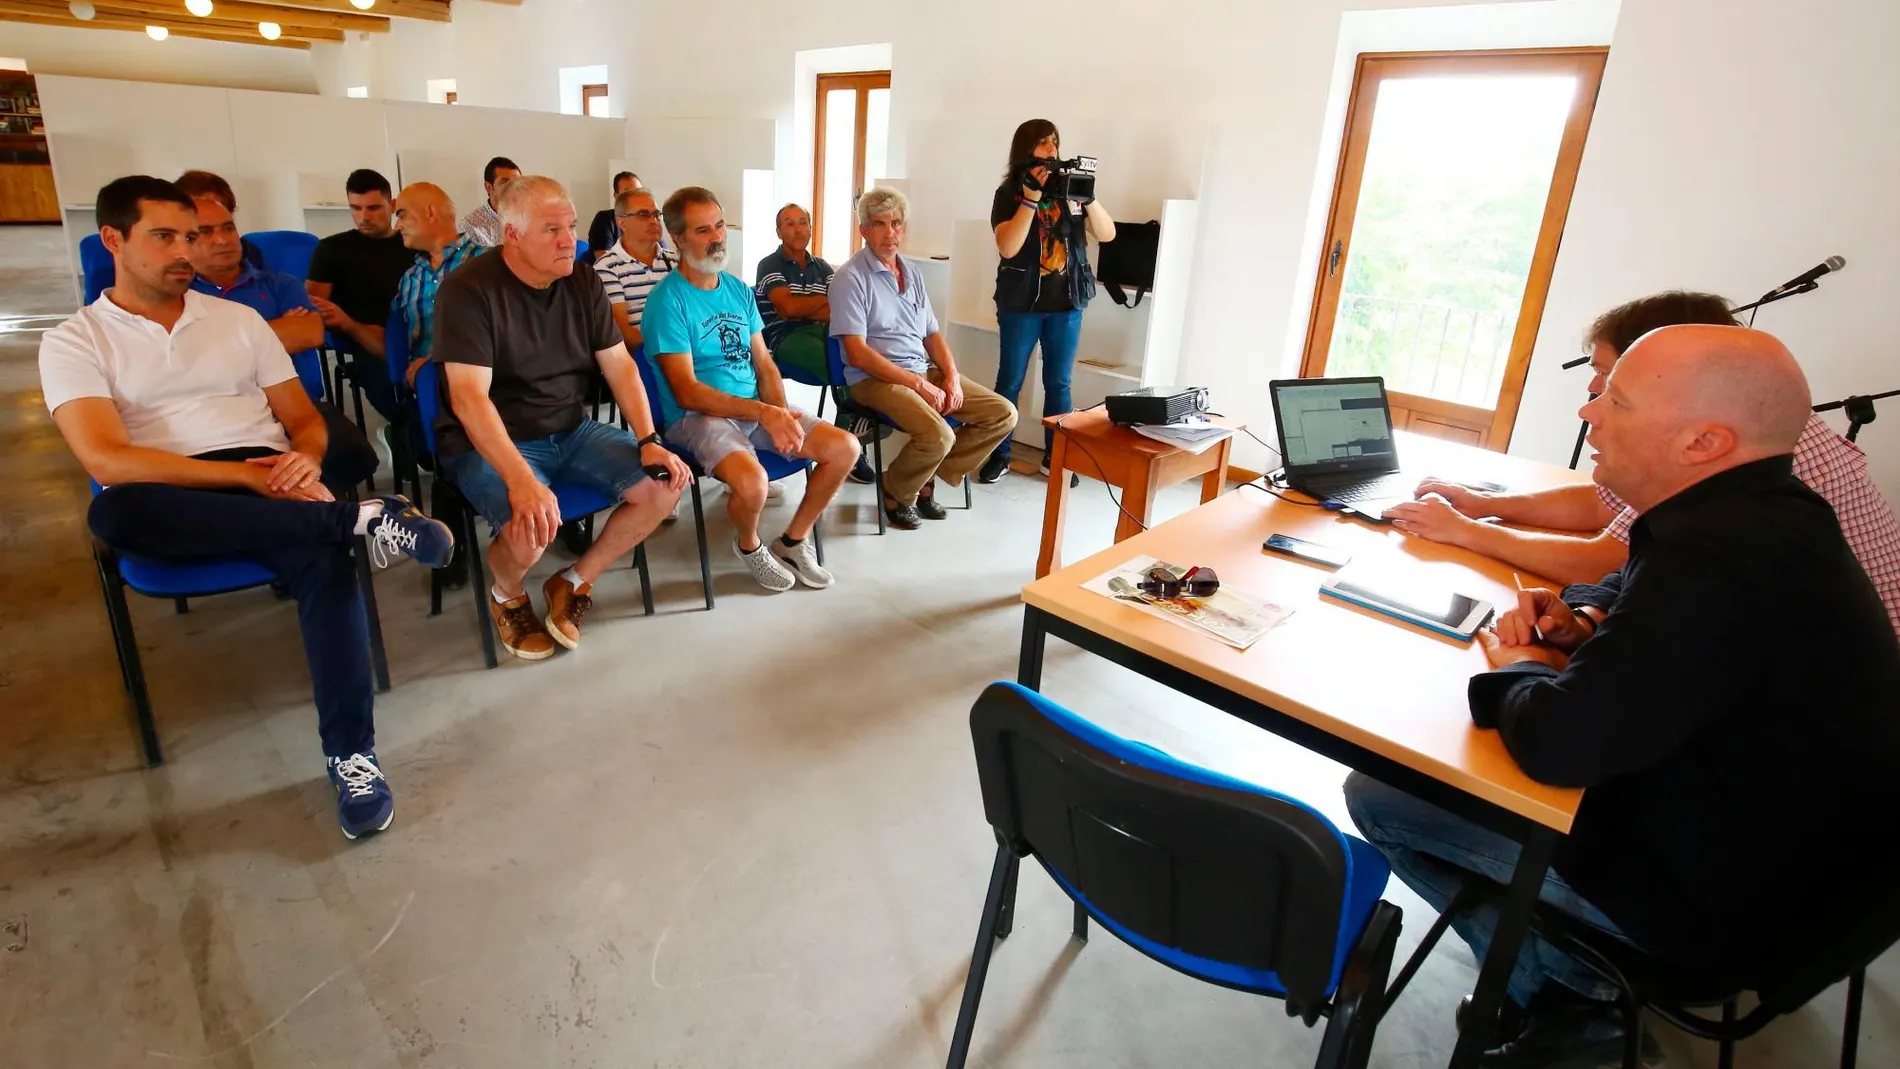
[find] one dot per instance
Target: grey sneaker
(766, 569)
(802, 559)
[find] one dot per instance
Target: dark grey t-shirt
(540, 343)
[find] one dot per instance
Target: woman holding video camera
(1044, 281)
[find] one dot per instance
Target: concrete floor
(750, 837)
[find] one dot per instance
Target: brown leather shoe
(566, 606)
(520, 629)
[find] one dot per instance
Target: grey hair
(881, 201)
(516, 201)
(674, 210)
(626, 198)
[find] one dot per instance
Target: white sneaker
(385, 449)
(774, 492)
(673, 516)
(802, 559)
(766, 569)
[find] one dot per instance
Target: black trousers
(306, 543)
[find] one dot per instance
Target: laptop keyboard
(1388, 486)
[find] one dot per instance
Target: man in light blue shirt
(898, 364)
(723, 400)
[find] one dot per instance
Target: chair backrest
(286, 250)
(650, 381)
(580, 254)
(396, 348)
(834, 362)
(429, 387)
(95, 266)
(1847, 933)
(1182, 856)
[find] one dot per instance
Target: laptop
(1337, 444)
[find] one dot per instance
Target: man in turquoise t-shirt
(723, 399)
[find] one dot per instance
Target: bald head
(1688, 402)
(425, 217)
(1733, 377)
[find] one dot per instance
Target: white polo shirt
(197, 388)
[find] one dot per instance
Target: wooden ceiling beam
(236, 29)
(426, 10)
(244, 11)
(8, 15)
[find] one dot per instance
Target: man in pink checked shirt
(1828, 463)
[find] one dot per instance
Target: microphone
(1808, 277)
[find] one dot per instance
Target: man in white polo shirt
(186, 408)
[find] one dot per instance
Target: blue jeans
(597, 456)
(1058, 332)
(1437, 854)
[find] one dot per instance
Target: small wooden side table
(1087, 444)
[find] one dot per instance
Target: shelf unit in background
(27, 193)
(1121, 348)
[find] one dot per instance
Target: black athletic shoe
(993, 469)
(1568, 1034)
(903, 517)
(862, 473)
(928, 508)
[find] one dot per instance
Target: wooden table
(1086, 443)
(1379, 696)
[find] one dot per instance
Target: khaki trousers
(935, 448)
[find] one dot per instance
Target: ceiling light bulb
(270, 30)
(82, 10)
(362, 5)
(157, 33)
(200, 8)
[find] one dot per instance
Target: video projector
(1155, 406)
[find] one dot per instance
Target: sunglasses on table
(1165, 583)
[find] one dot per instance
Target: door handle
(1332, 261)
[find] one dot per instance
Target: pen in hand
(1518, 581)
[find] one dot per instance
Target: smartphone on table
(1307, 551)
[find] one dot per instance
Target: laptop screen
(1334, 425)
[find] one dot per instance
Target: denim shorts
(595, 456)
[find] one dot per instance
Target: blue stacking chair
(777, 466)
(834, 376)
(180, 580)
(285, 250)
(577, 503)
(95, 266)
(396, 359)
(580, 253)
(1227, 881)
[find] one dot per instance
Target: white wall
(1235, 104)
(180, 60)
(1736, 144)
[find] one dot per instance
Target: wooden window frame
(863, 82)
(1586, 63)
(595, 91)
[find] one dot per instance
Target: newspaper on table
(1195, 434)
(1229, 615)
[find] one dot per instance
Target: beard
(713, 262)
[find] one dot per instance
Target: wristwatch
(651, 439)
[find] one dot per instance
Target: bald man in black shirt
(1726, 699)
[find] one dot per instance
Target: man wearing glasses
(632, 266)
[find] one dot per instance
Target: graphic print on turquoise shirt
(716, 326)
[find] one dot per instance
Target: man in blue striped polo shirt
(793, 303)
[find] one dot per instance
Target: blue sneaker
(364, 803)
(403, 531)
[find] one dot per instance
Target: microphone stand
(1860, 410)
(1854, 425)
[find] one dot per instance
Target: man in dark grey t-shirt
(518, 333)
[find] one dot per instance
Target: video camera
(1067, 180)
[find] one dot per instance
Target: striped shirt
(415, 293)
(778, 269)
(1836, 469)
(483, 225)
(628, 281)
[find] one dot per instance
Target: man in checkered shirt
(1831, 465)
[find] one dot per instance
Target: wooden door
(1454, 182)
(853, 110)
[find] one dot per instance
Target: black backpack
(1128, 262)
